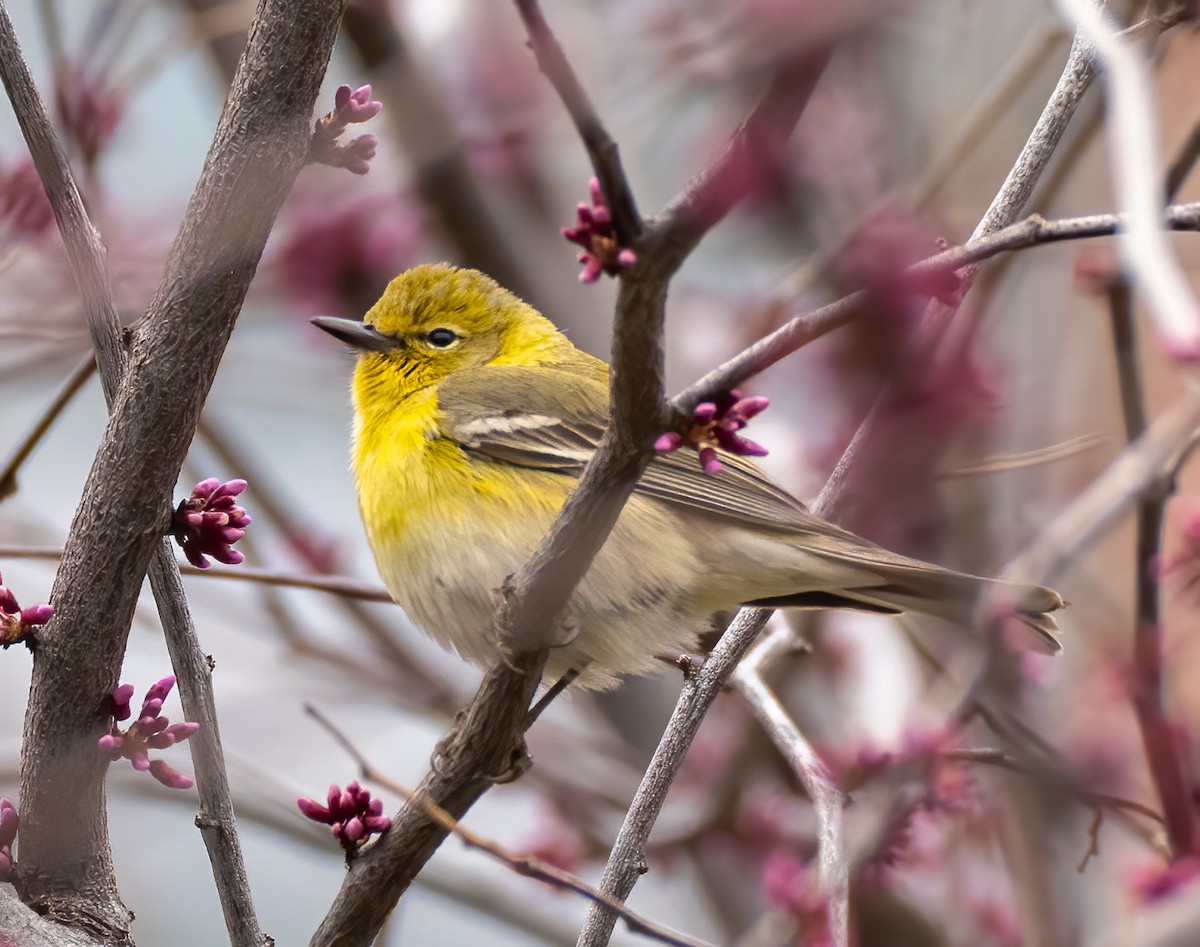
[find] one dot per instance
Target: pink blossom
(337, 250)
(24, 208)
(9, 823)
(790, 886)
(715, 425)
(352, 813)
(151, 731)
(557, 842)
(15, 621)
(1183, 565)
(89, 109)
(1156, 882)
(209, 522)
(594, 231)
(351, 107)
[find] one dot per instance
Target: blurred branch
(222, 26)
(333, 584)
(259, 145)
(833, 872)
(85, 251)
(74, 383)
(1033, 231)
(1133, 147)
(627, 860)
(681, 225)
(530, 866)
(601, 149)
(1158, 738)
(991, 756)
(1037, 457)
(1183, 163)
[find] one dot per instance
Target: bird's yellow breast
(442, 524)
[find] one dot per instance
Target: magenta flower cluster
(9, 823)
(350, 107)
(25, 210)
(151, 731)
(1151, 883)
(16, 621)
(715, 424)
(594, 231)
(352, 813)
(209, 522)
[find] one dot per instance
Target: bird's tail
(883, 581)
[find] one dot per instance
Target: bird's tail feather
(893, 583)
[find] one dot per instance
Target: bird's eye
(440, 338)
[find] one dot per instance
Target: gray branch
(260, 144)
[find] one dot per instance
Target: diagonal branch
(601, 149)
(528, 865)
(85, 252)
(260, 144)
(1133, 147)
(833, 871)
(627, 860)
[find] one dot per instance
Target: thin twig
(1133, 148)
(828, 800)
(71, 387)
(528, 865)
(1031, 232)
(601, 149)
(1182, 164)
(1006, 207)
(627, 860)
(1158, 740)
(1097, 509)
(216, 820)
(1093, 849)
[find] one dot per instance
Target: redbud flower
(209, 522)
(595, 232)
(9, 822)
(1150, 883)
(15, 621)
(350, 107)
(716, 424)
(89, 110)
(352, 813)
(24, 208)
(1185, 562)
(790, 886)
(151, 731)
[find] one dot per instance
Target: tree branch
(260, 144)
(530, 866)
(833, 871)
(627, 860)
(601, 149)
(1158, 739)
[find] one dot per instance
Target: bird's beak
(356, 334)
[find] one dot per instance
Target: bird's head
(436, 319)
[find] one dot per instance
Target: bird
(474, 417)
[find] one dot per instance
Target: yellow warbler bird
(474, 417)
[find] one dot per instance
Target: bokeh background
(911, 131)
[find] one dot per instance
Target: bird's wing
(549, 419)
